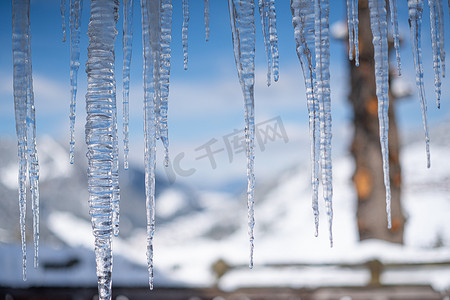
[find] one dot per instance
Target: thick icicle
(264, 14)
(184, 32)
(395, 34)
(322, 51)
(415, 23)
(435, 46)
(273, 38)
(100, 133)
(74, 24)
(63, 19)
(164, 75)
(355, 21)
(303, 21)
(242, 19)
(378, 25)
(127, 51)
(25, 122)
(207, 20)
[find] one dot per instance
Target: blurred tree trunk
(366, 150)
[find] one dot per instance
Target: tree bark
(366, 150)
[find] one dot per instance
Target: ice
(74, 23)
(127, 52)
(184, 32)
(273, 38)
(378, 25)
(322, 51)
(101, 134)
(415, 22)
(434, 20)
(395, 35)
(269, 29)
(355, 30)
(350, 28)
(25, 123)
(264, 14)
(303, 21)
(63, 18)
(207, 20)
(440, 12)
(242, 19)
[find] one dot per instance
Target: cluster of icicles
(311, 29)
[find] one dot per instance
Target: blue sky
(205, 102)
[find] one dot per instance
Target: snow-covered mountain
(197, 229)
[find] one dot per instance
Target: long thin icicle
(127, 52)
(25, 122)
(350, 28)
(63, 18)
(355, 21)
(395, 35)
(273, 38)
(74, 24)
(207, 20)
(264, 14)
(100, 133)
(378, 25)
(440, 13)
(184, 32)
(303, 21)
(415, 23)
(242, 19)
(435, 46)
(322, 50)
(164, 75)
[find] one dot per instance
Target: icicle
(63, 19)
(379, 30)
(100, 132)
(115, 172)
(264, 14)
(322, 50)
(207, 20)
(74, 23)
(415, 23)
(440, 13)
(164, 75)
(355, 21)
(127, 51)
(395, 35)
(184, 33)
(435, 45)
(242, 19)
(273, 38)
(303, 21)
(350, 28)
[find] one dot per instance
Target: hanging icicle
(379, 30)
(322, 50)
(100, 133)
(207, 20)
(395, 35)
(355, 30)
(440, 13)
(273, 38)
(25, 123)
(434, 20)
(127, 52)
(352, 21)
(264, 14)
(74, 24)
(184, 32)
(415, 23)
(242, 19)
(63, 18)
(303, 21)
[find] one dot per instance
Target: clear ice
(322, 84)
(101, 132)
(207, 20)
(184, 32)
(25, 123)
(395, 34)
(415, 8)
(378, 25)
(74, 24)
(434, 20)
(63, 18)
(127, 52)
(304, 23)
(242, 19)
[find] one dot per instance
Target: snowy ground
(186, 248)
